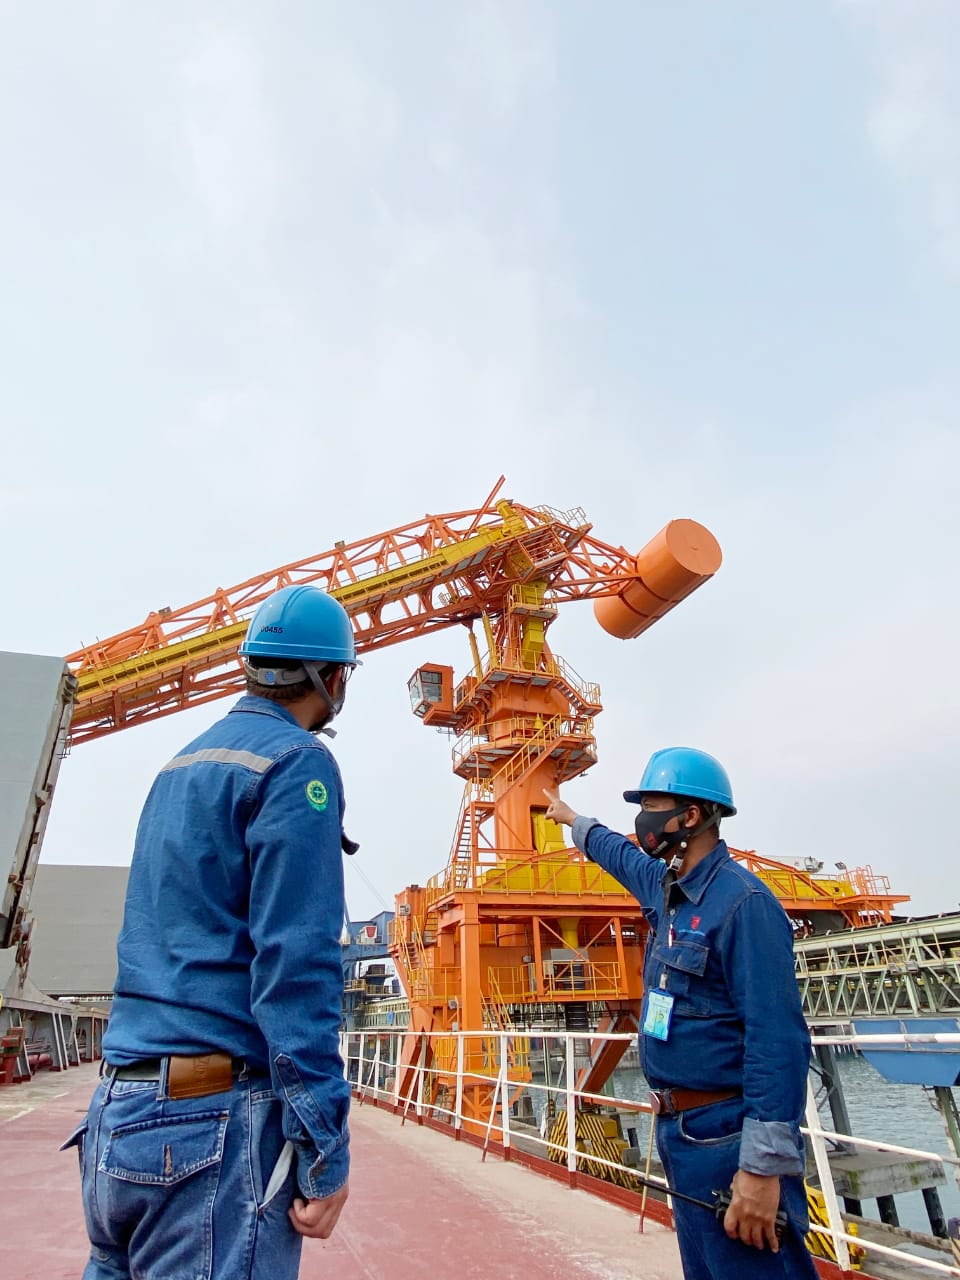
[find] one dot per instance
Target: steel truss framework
(431, 574)
(895, 970)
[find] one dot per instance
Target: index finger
(552, 796)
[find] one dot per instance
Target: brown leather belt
(670, 1102)
(187, 1077)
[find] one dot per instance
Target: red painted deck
(419, 1202)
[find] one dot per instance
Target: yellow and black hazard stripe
(822, 1246)
(593, 1139)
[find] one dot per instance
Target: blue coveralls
(230, 943)
(736, 1024)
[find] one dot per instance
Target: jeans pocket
(281, 1171)
(713, 1126)
(161, 1177)
(77, 1139)
(271, 1154)
(165, 1151)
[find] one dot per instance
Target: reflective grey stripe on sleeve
(221, 755)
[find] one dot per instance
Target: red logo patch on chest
(695, 922)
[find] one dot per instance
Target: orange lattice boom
(421, 577)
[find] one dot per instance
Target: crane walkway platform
(415, 1194)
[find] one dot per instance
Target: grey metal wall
(78, 912)
(35, 693)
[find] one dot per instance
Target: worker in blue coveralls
(723, 1042)
(217, 1137)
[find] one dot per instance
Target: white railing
(819, 1137)
(372, 1063)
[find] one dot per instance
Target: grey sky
(272, 276)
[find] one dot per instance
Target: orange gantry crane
(517, 924)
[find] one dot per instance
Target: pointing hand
(557, 810)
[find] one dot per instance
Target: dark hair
(283, 692)
(711, 812)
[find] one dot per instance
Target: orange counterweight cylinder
(679, 559)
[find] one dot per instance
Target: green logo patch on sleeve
(317, 795)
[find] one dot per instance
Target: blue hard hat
(685, 772)
(302, 623)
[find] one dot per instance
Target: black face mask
(649, 826)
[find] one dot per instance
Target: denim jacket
(737, 1021)
(232, 922)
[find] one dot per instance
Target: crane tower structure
(516, 922)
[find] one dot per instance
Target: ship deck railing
(488, 1058)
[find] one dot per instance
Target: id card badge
(656, 1022)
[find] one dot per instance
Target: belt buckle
(661, 1102)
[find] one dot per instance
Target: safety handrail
(450, 1052)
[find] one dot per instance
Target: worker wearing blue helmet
(723, 1042)
(217, 1137)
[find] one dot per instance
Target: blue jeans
(700, 1151)
(175, 1190)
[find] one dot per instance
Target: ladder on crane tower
(461, 858)
(534, 751)
(480, 792)
(496, 1017)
